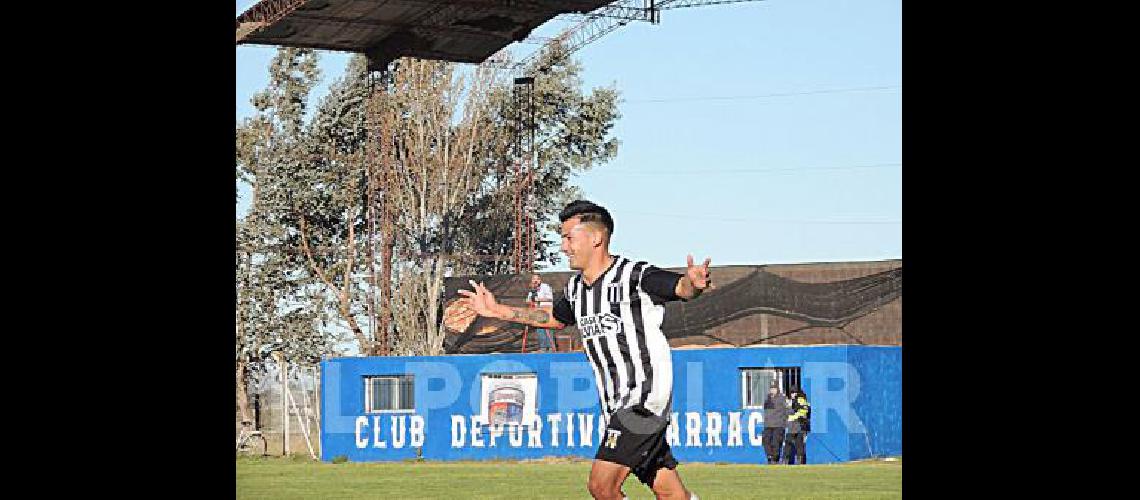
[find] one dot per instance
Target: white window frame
(745, 379)
(370, 379)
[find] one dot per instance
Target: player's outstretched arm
(483, 302)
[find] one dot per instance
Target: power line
(764, 96)
(772, 221)
(699, 171)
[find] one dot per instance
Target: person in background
(799, 424)
(542, 297)
(775, 420)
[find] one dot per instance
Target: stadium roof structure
(467, 31)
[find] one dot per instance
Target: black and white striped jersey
(619, 317)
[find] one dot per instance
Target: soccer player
(618, 305)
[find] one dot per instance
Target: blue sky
(752, 133)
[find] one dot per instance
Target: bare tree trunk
(388, 243)
(242, 393)
(388, 240)
(435, 331)
(344, 300)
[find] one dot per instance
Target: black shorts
(635, 438)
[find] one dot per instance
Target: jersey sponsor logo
(596, 325)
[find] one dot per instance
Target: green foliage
(445, 137)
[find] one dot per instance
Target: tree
(572, 134)
(329, 200)
(277, 309)
(428, 153)
(444, 141)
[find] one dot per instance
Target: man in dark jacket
(799, 424)
(775, 419)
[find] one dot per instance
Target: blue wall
(877, 400)
(855, 392)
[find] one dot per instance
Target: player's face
(576, 243)
(535, 281)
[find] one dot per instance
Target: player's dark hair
(588, 212)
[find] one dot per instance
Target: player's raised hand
(482, 301)
(699, 275)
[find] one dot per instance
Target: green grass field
(279, 478)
